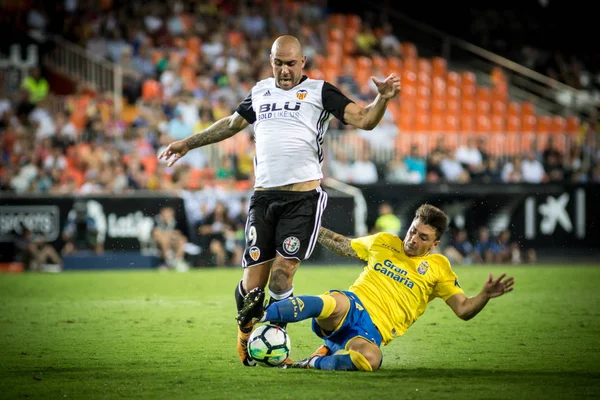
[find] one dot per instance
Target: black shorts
(283, 222)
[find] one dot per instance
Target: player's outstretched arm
(367, 118)
(220, 130)
(336, 243)
(468, 307)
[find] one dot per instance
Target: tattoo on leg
(279, 280)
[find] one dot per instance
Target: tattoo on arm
(220, 130)
(336, 243)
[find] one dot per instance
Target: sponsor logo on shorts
(301, 94)
(291, 245)
(254, 253)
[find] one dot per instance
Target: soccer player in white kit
(290, 113)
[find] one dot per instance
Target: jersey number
(252, 235)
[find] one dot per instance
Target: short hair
(434, 217)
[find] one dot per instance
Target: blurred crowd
(188, 64)
(463, 247)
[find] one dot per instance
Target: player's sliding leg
(299, 308)
(281, 285)
(255, 277)
(361, 355)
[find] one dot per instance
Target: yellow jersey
(395, 288)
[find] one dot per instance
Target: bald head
(287, 61)
(286, 44)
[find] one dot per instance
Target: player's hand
(176, 150)
(497, 287)
(389, 87)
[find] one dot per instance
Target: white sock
(281, 296)
(312, 362)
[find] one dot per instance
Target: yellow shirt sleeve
(362, 245)
(447, 285)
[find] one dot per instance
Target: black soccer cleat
(252, 309)
(322, 351)
(302, 364)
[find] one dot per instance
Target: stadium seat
(422, 121)
(498, 108)
(364, 63)
(394, 64)
(423, 92)
(543, 124)
(483, 124)
(440, 66)
(438, 87)
(453, 79)
(438, 106)
(408, 92)
(513, 124)
(514, 109)
(497, 76)
(408, 78)
(467, 123)
(381, 63)
(424, 65)
(497, 124)
(527, 108)
(151, 89)
(558, 124)
(483, 107)
(407, 118)
(453, 108)
(437, 123)
(528, 123)
(452, 92)
(572, 124)
(409, 50)
(468, 108)
(451, 123)
(424, 79)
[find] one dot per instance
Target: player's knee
(374, 359)
(342, 304)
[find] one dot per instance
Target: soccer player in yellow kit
(400, 279)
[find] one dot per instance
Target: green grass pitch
(109, 335)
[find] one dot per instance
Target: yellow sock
(360, 361)
(328, 306)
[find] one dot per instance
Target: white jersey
(289, 126)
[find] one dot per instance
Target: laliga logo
(133, 225)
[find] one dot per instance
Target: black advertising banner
(124, 223)
(540, 216)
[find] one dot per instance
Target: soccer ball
(269, 345)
